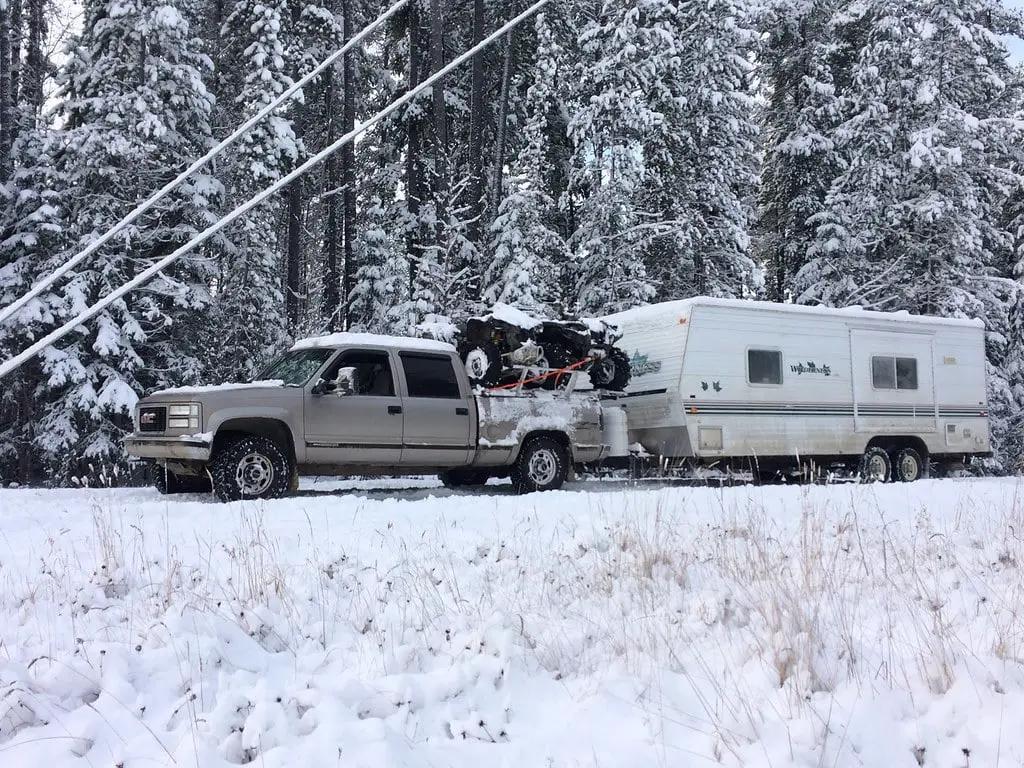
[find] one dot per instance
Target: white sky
(1016, 46)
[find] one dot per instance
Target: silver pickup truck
(358, 404)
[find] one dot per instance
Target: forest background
(604, 155)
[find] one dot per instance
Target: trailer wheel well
(234, 428)
(891, 443)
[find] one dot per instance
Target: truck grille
(153, 419)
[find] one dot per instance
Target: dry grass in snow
(838, 626)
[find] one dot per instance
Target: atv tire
(482, 362)
(612, 371)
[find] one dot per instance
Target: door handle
(393, 409)
(462, 411)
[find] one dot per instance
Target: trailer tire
(542, 465)
(482, 362)
(612, 372)
(910, 466)
(251, 467)
(875, 466)
(463, 478)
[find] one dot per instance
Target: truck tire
(910, 466)
(612, 372)
(875, 466)
(542, 466)
(166, 482)
(463, 478)
(251, 467)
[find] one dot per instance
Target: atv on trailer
(497, 347)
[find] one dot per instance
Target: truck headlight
(183, 416)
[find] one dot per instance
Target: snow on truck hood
(206, 389)
(346, 339)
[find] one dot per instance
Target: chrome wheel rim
(909, 468)
(254, 474)
(542, 467)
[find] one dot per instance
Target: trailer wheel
(875, 466)
(252, 467)
(910, 466)
(542, 466)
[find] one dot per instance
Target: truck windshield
(295, 368)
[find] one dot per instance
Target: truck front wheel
(251, 467)
(542, 466)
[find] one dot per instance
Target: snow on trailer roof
(672, 309)
(346, 339)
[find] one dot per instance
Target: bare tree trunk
(331, 308)
(6, 97)
(35, 62)
(499, 144)
(440, 117)
(348, 165)
(413, 173)
(476, 130)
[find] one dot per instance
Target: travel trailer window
(894, 372)
(764, 366)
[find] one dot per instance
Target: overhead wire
(10, 309)
(87, 314)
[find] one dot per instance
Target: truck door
(438, 416)
(361, 427)
(893, 382)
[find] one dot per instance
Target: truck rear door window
(893, 372)
(430, 376)
(764, 366)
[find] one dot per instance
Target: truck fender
(248, 419)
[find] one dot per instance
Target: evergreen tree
(801, 110)
(240, 340)
(912, 221)
(527, 250)
(135, 110)
(671, 117)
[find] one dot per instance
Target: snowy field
(598, 626)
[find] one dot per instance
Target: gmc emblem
(147, 418)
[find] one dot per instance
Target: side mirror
(345, 383)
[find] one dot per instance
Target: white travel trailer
(767, 387)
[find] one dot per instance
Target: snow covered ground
(600, 626)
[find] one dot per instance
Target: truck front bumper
(189, 448)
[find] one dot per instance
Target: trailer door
(893, 380)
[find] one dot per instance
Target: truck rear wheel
(251, 467)
(542, 466)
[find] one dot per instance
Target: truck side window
(430, 376)
(373, 372)
(894, 372)
(764, 366)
